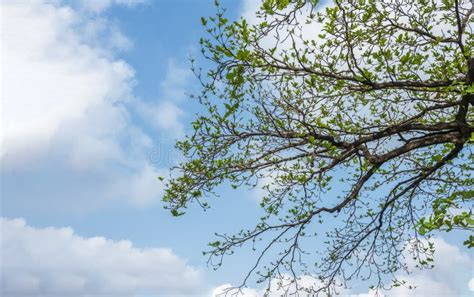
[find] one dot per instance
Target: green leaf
(176, 213)
(215, 243)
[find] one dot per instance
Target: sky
(93, 96)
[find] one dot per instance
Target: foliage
(360, 112)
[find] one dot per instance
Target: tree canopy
(355, 117)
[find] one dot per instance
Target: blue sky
(93, 96)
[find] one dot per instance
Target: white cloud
(249, 8)
(471, 284)
(56, 261)
(261, 189)
(175, 82)
(165, 116)
(278, 287)
(267, 182)
(67, 127)
(453, 269)
(246, 292)
(310, 31)
(52, 77)
(452, 276)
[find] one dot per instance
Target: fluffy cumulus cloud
(51, 75)
(452, 276)
(56, 261)
(67, 110)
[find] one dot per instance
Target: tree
(359, 113)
